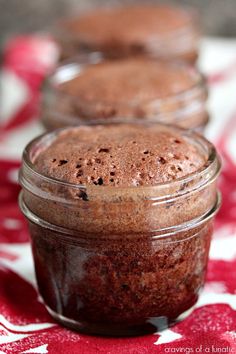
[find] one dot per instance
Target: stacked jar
(142, 83)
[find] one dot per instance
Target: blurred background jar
(217, 17)
(154, 30)
(92, 90)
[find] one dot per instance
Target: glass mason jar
(134, 31)
(186, 109)
(120, 260)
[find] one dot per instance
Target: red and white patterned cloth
(25, 325)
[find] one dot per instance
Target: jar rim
(69, 69)
(210, 170)
(154, 234)
(83, 60)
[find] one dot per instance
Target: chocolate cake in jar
(159, 31)
(121, 219)
(93, 90)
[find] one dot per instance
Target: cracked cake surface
(119, 155)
